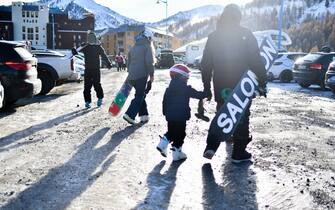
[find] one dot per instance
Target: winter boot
(239, 153)
(163, 145)
(88, 105)
(144, 118)
(129, 120)
(208, 153)
(178, 154)
(99, 102)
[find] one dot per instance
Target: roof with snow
(127, 27)
(183, 48)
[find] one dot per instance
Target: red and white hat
(181, 70)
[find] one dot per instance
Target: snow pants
(240, 136)
(176, 133)
(92, 78)
(138, 105)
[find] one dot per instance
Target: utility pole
(280, 23)
(166, 23)
(53, 31)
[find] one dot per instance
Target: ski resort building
(121, 39)
(43, 27)
(64, 32)
(30, 23)
(6, 24)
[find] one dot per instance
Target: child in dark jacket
(177, 111)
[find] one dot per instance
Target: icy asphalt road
(56, 155)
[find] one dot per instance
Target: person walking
(92, 51)
(229, 52)
(119, 61)
(140, 67)
(177, 111)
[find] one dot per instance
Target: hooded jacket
(140, 59)
(229, 52)
(92, 54)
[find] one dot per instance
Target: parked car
(330, 76)
(283, 65)
(165, 60)
(79, 64)
(2, 95)
(197, 62)
(55, 67)
(18, 72)
(311, 69)
(178, 60)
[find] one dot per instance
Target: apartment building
(123, 38)
(6, 24)
(29, 22)
(66, 33)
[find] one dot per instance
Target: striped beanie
(181, 70)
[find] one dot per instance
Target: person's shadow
(12, 138)
(160, 186)
(64, 183)
(238, 190)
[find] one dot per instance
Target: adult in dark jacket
(140, 67)
(230, 51)
(92, 52)
(176, 110)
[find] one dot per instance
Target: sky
(149, 10)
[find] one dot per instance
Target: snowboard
(120, 98)
(237, 100)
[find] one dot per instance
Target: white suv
(54, 67)
(2, 95)
(282, 67)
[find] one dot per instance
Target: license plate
(301, 67)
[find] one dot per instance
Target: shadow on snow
(63, 184)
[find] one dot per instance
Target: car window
(279, 55)
(25, 54)
(7, 53)
(312, 57)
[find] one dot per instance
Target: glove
(148, 88)
(74, 51)
(109, 66)
(208, 94)
(262, 91)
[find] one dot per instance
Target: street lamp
(280, 21)
(53, 31)
(166, 16)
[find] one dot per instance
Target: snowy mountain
(105, 17)
(191, 16)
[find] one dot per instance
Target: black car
(330, 76)
(311, 69)
(165, 60)
(18, 72)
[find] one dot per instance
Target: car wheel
(304, 85)
(47, 82)
(286, 76)
(6, 103)
(333, 90)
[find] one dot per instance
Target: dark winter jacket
(229, 52)
(92, 56)
(176, 100)
(140, 59)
